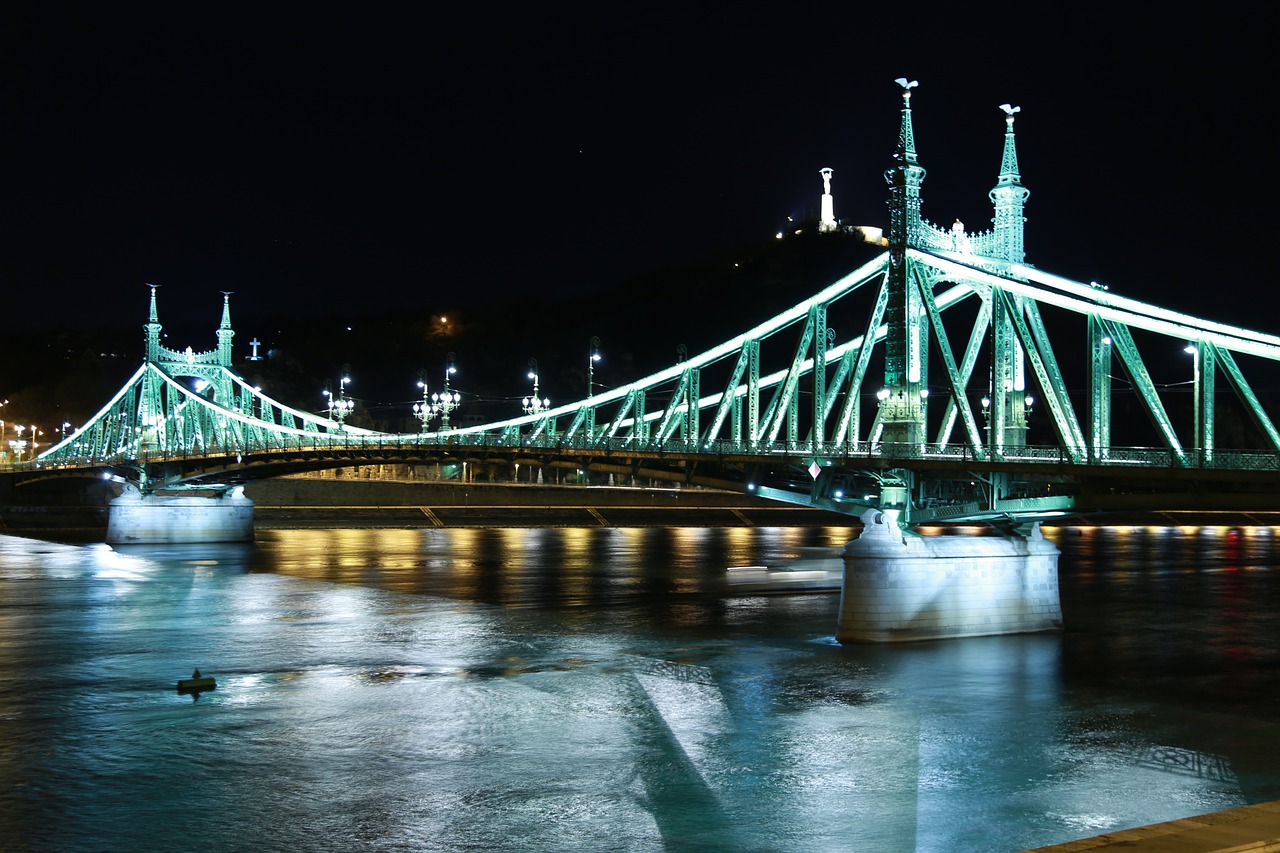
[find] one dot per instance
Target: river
(606, 690)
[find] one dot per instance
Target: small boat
(197, 683)
(821, 574)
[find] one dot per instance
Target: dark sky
(319, 158)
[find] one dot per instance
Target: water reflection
(518, 567)
(602, 689)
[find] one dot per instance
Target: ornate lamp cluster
(340, 406)
(446, 401)
(19, 445)
(437, 403)
(533, 405)
(422, 411)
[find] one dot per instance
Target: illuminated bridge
(791, 411)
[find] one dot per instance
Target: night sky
(319, 159)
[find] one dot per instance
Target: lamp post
(533, 405)
(444, 403)
(1202, 368)
(339, 406)
(592, 357)
(422, 411)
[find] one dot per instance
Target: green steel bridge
(791, 411)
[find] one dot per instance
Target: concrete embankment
(305, 502)
(357, 498)
(350, 501)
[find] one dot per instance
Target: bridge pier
(137, 519)
(900, 586)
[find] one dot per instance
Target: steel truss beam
(756, 410)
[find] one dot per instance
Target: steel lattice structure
(779, 409)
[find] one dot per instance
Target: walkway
(1250, 829)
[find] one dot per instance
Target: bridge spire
(1009, 196)
(905, 176)
(153, 328)
(225, 333)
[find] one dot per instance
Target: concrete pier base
(137, 519)
(900, 586)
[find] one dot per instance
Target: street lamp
(592, 358)
(444, 403)
(340, 407)
(533, 405)
(18, 445)
(1201, 408)
(422, 411)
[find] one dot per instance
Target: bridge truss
(948, 399)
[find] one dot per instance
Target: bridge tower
(140, 515)
(902, 399)
(207, 366)
(1009, 402)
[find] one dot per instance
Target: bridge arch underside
(937, 492)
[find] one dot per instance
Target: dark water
(602, 690)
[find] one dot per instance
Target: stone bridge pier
(137, 519)
(900, 586)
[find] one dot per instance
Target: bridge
(971, 345)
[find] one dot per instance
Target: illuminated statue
(828, 221)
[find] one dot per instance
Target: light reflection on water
(601, 689)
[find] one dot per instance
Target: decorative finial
(1009, 111)
(908, 85)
